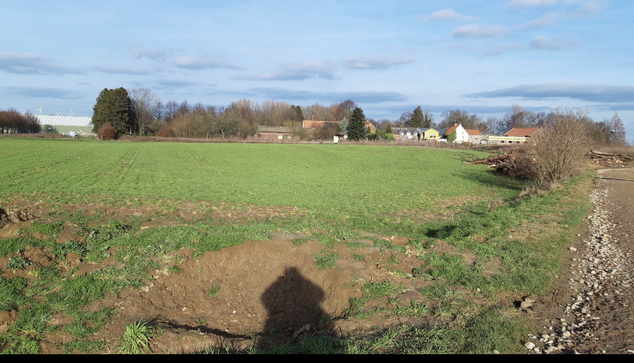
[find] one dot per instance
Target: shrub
(558, 153)
(106, 132)
(452, 136)
(166, 131)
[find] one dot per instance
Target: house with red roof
(461, 133)
(474, 136)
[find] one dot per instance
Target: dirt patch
(260, 293)
(32, 259)
(150, 211)
(7, 318)
(11, 216)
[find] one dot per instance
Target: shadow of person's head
(292, 300)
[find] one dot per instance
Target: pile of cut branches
(511, 164)
(610, 159)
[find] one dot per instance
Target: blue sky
(387, 56)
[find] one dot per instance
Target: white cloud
(157, 53)
(544, 21)
(547, 43)
(588, 6)
(298, 71)
(119, 70)
(448, 14)
(523, 4)
(374, 63)
(502, 48)
(202, 63)
(478, 31)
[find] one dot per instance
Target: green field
(329, 181)
(340, 197)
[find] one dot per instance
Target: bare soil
(271, 291)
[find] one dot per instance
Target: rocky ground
(590, 310)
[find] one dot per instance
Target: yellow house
(430, 134)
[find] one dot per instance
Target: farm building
(65, 124)
(277, 132)
(522, 132)
(475, 137)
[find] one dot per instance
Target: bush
(559, 148)
(106, 132)
(166, 131)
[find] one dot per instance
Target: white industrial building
(65, 124)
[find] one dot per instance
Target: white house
(461, 134)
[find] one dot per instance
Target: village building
(461, 134)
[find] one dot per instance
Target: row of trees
(140, 111)
(12, 122)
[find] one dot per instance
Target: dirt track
(590, 311)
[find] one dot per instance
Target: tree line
(140, 111)
(13, 122)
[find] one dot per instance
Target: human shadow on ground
(293, 308)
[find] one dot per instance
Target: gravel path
(592, 312)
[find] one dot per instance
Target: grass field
(331, 181)
(224, 194)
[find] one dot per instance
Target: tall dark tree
(356, 127)
(299, 115)
(114, 106)
(417, 118)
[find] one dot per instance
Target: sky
(387, 56)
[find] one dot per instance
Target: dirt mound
(9, 216)
(228, 296)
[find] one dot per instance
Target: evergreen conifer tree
(114, 106)
(417, 119)
(356, 127)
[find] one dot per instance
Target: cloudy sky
(387, 56)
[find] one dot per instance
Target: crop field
(138, 247)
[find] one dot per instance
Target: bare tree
(316, 112)
(560, 147)
(145, 103)
(170, 110)
(459, 117)
(518, 118)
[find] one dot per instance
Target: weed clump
(136, 338)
